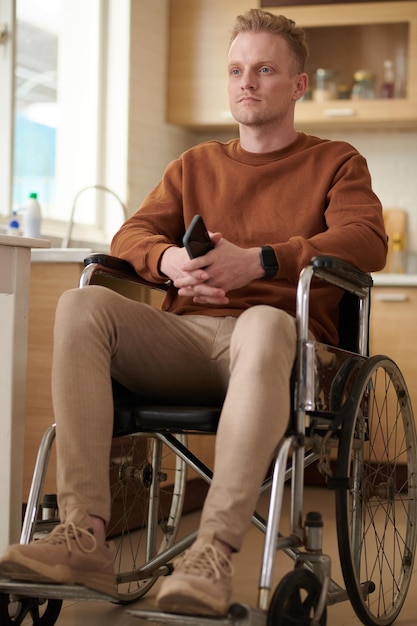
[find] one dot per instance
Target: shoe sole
(176, 601)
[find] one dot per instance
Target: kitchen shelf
(360, 36)
(344, 37)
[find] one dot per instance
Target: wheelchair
(351, 416)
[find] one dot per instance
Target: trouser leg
(254, 417)
(99, 334)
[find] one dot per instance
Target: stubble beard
(256, 118)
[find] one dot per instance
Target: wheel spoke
(144, 473)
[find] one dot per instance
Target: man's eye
(265, 70)
(234, 72)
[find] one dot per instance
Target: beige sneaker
(201, 583)
(70, 554)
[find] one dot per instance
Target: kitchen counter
(77, 255)
(23, 242)
(384, 279)
(60, 255)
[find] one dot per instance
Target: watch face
(269, 261)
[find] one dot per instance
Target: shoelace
(67, 532)
(207, 562)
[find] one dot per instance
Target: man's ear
(301, 85)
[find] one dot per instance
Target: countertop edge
(60, 255)
(383, 279)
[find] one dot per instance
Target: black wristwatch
(269, 262)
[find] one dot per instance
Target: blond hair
(257, 20)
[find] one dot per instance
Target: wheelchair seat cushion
(132, 414)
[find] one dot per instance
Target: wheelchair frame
(323, 419)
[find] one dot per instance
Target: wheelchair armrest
(108, 265)
(342, 274)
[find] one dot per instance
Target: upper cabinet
(347, 38)
(344, 39)
(197, 63)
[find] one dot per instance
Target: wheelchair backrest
(348, 326)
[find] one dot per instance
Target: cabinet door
(343, 38)
(393, 330)
(197, 67)
(47, 282)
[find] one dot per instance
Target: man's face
(263, 84)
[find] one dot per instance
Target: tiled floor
(77, 613)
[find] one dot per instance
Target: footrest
(54, 591)
(239, 615)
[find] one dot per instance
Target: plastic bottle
(14, 226)
(32, 217)
(388, 83)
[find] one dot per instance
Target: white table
(15, 260)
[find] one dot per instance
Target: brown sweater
(312, 197)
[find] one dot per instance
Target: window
(60, 119)
(36, 105)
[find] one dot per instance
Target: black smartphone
(196, 239)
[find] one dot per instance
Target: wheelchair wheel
(376, 500)
(295, 600)
(148, 485)
(15, 611)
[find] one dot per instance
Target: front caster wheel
(295, 600)
(13, 611)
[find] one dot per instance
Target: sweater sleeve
(157, 225)
(354, 227)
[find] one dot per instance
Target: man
(271, 200)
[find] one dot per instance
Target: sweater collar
(261, 158)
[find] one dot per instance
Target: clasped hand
(208, 278)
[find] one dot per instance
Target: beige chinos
(245, 361)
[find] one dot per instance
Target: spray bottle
(13, 227)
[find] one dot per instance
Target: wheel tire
(143, 470)
(42, 612)
(295, 600)
(376, 501)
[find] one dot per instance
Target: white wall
(392, 161)
(152, 142)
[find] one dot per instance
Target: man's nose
(248, 81)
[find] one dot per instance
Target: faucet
(67, 238)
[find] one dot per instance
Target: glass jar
(326, 87)
(363, 86)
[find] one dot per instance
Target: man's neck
(258, 139)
